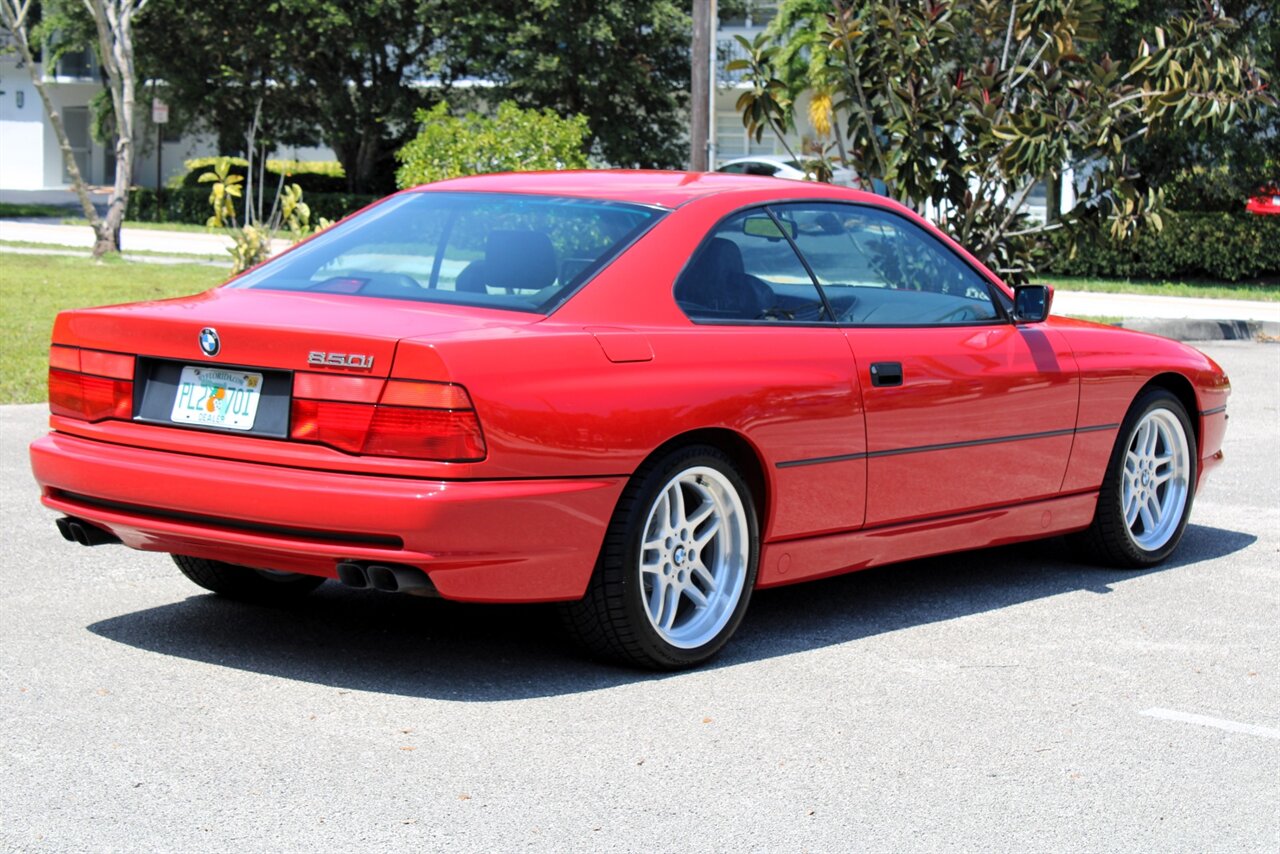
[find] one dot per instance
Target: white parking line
(1219, 723)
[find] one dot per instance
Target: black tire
(1109, 540)
(612, 621)
(244, 583)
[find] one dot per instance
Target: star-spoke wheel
(1155, 482)
(677, 567)
(1146, 495)
(693, 557)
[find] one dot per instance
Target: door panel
(792, 392)
(983, 417)
(792, 386)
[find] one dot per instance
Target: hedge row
(1192, 245)
(313, 176)
(191, 205)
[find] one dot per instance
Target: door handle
(886, 373)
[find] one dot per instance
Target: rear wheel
(1146, 495)
(244, 583)
(677, 567)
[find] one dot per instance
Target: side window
(746, 270)
(759, 167)
(879, 269)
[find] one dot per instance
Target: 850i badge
(339, 360)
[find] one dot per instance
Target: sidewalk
(131, 239)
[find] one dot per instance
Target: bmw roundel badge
(209, 343)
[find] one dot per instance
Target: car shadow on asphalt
(368, 641)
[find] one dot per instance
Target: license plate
(1275, 200)
(217, 397)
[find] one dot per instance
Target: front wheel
(1146, 495)
(677, 566)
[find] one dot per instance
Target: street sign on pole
(159, 118)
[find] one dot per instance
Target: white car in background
(784, 167)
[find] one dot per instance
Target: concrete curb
(1206, 330)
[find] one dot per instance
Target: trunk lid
(273, 329)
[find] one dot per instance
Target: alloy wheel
(694, 557)
(1156, 479)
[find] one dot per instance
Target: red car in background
(641, 394)
(1267, 201)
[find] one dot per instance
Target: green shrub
(1223, 187)
(1227, 246)
(514, 140)
(1200, 189)
(314, 176)
(191, 205)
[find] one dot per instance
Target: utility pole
(712, 64)
(700, 87)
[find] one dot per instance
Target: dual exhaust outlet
(75, 530)
(387, 577)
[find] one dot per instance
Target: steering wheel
(960, 315)
(776, 313)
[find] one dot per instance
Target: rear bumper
(482, 541)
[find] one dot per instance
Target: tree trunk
(360, 158)
(346, 156)
(1052, 198)
(114, 20)
(840, 147)
(108, 233)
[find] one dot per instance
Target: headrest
(523, 260)
(720, 257)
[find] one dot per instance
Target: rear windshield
(524, 253)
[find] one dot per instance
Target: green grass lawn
(1164, 288)
(10, 210)
(34, 288)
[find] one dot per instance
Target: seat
(513, 261)
(716, 286)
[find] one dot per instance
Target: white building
(30, 158)
(729, 138)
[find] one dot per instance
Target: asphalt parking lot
(1008, 699)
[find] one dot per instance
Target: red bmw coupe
(641, 394)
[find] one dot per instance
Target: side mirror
(1031, 303)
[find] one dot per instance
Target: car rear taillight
(91, 385)
(418, 420)
(433, 434)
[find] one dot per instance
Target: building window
(79, 65)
